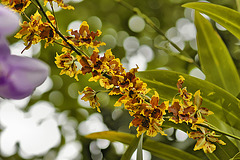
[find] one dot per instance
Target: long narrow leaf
(215, 59)
(158, 149)
(228, 18)
(139, 148)
(212, 156)
(236, 157)
(131, 148)
(226, 151)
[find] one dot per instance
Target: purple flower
(9, 21)
(19, 76)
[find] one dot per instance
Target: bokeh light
(35, 131)
(131, 44)
(71, 150)
(181, 136)
(136, 23)
(18, 47)
(196, 72)
(74, 25)
(94, 123)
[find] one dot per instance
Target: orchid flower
(19, 76)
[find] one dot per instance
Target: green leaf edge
(236, 157)
(201, 7)
(156, 148)
(202, 26)
(131, 148)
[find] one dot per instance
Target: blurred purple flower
(19, 76)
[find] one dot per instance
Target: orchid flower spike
(19, 76)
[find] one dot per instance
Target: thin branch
(154, 26)
(25, 15)
(211, 127)
(181, 57)
(56, 30)
(61, 44)
(51, 3)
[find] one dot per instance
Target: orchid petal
(24, 74)
(9, 21)
(4, 49)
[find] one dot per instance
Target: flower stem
(61, 44)
(56, 30)
(181, 57)
(51, 3)
(25, 15)
(210, 126)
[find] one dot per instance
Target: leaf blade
(139, 148)
(130, 150)
(215, 59)
(228, 18)
(236, 157)
(158, 149)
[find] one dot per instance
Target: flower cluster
(84, 37)
(109, 72)
(68, 64)
(148, 112)
(20, 5)
(111, 75)
(205, 138)
(190, 111)
(60, 4)
(187, 110)
(34, 31)
(17, 5)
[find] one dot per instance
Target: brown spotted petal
(189, 110)
(196, 135)
(94, 57)
(185, 95)
(86, 67)
(136, 121)
(155, 99)
(180, 82)
(205, 111)
(90, 95)
(175, 107)
(200, 144)
(209, 147)
(184, 117)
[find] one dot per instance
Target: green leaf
(139, 148)
(212, 156)
(224, 105)
(216, 62)
(225, 151)
(228, 18)
(238, 5)
(236, 157)
(131, 148)
(158, 149)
